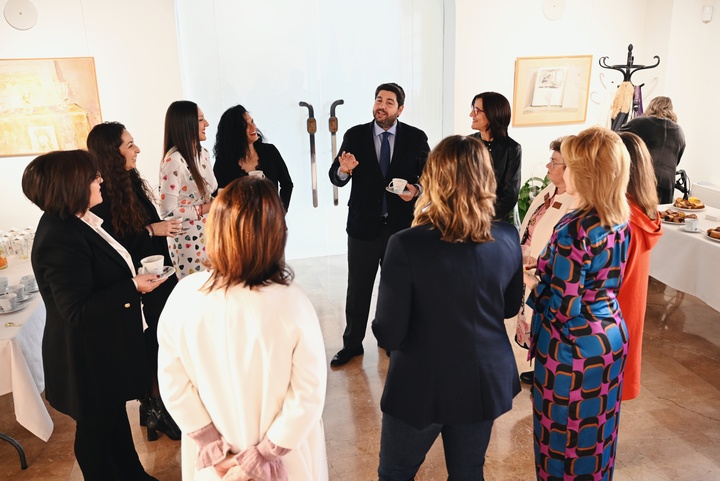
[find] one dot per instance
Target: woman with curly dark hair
(236, 155)
(129, 215)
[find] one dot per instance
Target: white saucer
(26, 297)
(697, 230)
(166, 272)
(19, 307)
(32, 291)
(406, 191)
(688, 210)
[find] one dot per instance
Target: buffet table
(21, 369)
(689, 262)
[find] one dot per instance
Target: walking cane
(312, 128)
(333, 121)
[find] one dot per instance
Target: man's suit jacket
(93, 346)
(368, 185)
(441, 310)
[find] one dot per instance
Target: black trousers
(104, 448)
(364, 258)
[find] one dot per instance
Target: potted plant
(529, 190)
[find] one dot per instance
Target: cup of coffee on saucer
(691, 225)
(4, 283)
(152, 265)
(8, 302)
(256, 173)
(19, 290)
(29, 282)
(398, 185)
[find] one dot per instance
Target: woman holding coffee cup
(93, 346)
(238, 155)
(447, 284)
(130, 216)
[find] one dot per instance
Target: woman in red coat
(645, 231)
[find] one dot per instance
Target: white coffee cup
(153, 264)
(19, 290)
(8, 302)
(398, 185)
(29, 282)
(4, 282)
(691, 225)
(256, 173)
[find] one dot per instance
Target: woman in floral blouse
(187, 183)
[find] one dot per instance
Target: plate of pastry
(675, 217)
(714, 234)
(692, 204)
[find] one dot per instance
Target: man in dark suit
(372, 155)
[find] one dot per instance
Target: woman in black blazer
(447, 285)
(93, 347)
(240, 149)
(490, 117)
(130, 216)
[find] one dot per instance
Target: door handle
(311, 129)
(333, 124)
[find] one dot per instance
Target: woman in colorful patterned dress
(187, 183)
(579, 338)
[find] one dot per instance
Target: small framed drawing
(551, 90)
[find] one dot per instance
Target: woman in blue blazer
(447, 285)
(93, 346)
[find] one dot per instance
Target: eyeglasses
(476, 111)
(553, 163)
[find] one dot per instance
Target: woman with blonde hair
(447, 284)
(646, 231)
(579, 338)
(665, 141)
(242, 360)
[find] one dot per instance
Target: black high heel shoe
(160, 420)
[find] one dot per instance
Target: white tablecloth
(21, 370)
(690, 262)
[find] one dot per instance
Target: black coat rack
(629, 68)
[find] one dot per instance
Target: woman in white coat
(242, 360)
(549, 206)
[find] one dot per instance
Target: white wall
(134, 43)
(489, 35)
(136, 52)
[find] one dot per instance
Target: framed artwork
(551, 90)
(47, 104)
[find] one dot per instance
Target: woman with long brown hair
(187, 183)
(242, 359)
(129, 215)
(646, 231)
(447, 284)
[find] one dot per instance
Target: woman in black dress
(236, 155)
(130, 216)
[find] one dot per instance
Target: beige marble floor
(671, 432)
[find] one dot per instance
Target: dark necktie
(384, 167)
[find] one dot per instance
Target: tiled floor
(671, 432)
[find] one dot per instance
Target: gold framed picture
(47, 104)
(551, 90)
